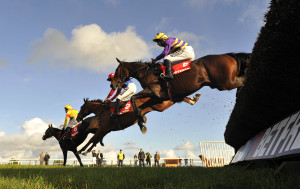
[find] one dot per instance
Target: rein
(124, 78)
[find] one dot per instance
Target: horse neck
(97, 108)
(135, 68)
(56, 133)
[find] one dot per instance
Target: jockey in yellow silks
(70, 120)
(175, 50)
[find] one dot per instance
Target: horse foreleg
(142, 94)
(65, 153)
(85, 146)
(78, 158)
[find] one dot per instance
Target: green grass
(21, 176)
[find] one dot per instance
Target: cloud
(4, 62)
(191, 38)
(254, 13)
(89, 47)
(131, 146)
(185, 146)
(206, 3)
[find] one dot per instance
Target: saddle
(177, 68)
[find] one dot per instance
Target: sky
(58, 52)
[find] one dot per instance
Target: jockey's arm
(164, 53)
(66, 120)
(110, 94)
(118, 92)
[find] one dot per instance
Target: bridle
(125, 78)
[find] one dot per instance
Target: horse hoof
(84, 153)
(102, 144)
(143, 129)
(144, 118)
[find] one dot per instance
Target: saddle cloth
(74, 130)
(177, 68)
(124, 108)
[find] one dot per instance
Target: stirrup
(162, 75)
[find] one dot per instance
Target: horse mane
(95, 100)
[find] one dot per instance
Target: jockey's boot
(117, 108)
(168, 69)
(68, 134)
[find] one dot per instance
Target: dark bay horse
(224, 72)
(108, 124)
(89, 125)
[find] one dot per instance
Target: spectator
(99, 158)
(148, 159)
(141, 158)
(46, 158)
(135, 160)
(186, 161)
(94, 158)
(156, 159)
(120, 157)
(42, 158)
(179, 161)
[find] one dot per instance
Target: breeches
(178, 56)
(127, 93)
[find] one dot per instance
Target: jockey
(175, 50)
(71, 114)
(129, 89)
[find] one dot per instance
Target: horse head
(96, 106)
(48, 133)
(126, 70)
(121, 75)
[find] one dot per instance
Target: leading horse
(224, 72)
(89, 125)
(108, 124)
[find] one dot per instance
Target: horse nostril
(111, 86)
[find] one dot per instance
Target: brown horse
(108, 124)
(224, 72)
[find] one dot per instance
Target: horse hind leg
(193, 100)
(239, 82)
(78, 158)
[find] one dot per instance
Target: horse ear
(119, 60)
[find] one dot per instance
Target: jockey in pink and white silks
(175, 50)
(129, 88)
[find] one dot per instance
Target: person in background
(42, 158)
(46, 158)
(148, 159)
(99, 158)
(71, 114)
(141, 157)
(185, 161)
(120, 157)
(135, 160)
(156, 159)
(180, 161)
(94, 158)
(175, 50)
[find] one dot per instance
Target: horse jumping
(108, 124)
(89, 125)
(224, 72)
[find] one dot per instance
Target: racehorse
(224, 72)
(89, 125)
(108, 124)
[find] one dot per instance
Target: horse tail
(243, 59)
